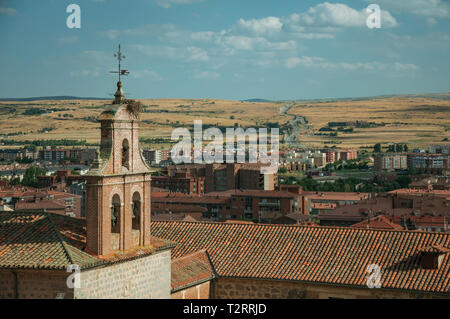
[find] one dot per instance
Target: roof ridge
(211, 263)
(191, 254)
(294, 225)
(62, 240)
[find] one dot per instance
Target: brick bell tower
(118, 205)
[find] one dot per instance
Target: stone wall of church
(34, 284)
(144, 278)
(231, 288)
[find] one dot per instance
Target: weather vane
(120, 57)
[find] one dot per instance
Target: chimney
(432, 256)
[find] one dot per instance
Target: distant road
(296, 123)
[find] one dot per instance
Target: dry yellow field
(418, 121)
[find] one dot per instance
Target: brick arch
(138, 189)
(116, 191)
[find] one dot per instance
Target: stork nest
(134, 107)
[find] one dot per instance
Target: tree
(31, 175)
(391, 148)
(15, 181)
(405, 148)
(398, 148)
(377, 148)
(404, 181)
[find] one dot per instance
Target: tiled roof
(39, 205)
(33, 241)
(378, 222)
(339, 196)
(252, 192)
(437, 249)
(327, 255)
(191, 270)
(50, 241)
(411, 191)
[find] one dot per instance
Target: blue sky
(230, 49)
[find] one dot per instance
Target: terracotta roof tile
(33, 241)
(328, 255)
(191, 270)
(378, 222)
(51, 241)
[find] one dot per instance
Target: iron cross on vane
(119, 57)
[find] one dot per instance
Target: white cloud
(188, 54)
(170, 3)
(148, 30)
(338, 15)
(318, 62)
(9, 11)
(197, 54)
(246, 43)
(207, 75)
(292, 62)
(426, 8)
(204, 36)
(404, 67)
(262, 26)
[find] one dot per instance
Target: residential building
(440, 149)
(221, 177)
(29, 199)
(319, 202)
(405, 203)
(390, 162)
(429, 163)
(348, 155)
(181, 182)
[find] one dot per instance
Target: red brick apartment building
(28, 199)
(61, 179)
(258, 205)
(181, 182)
(340, 155)
(318, 202)
(222, 177)
(412, 209)
(156, 156)
(348, 155)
